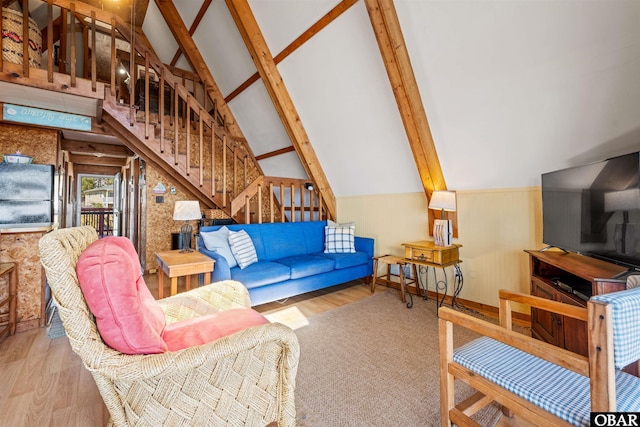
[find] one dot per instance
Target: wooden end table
(177, 264)
(390, 260)
(11, 269)
(425, 253)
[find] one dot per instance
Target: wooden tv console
(568, 278)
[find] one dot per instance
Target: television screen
(26, 195)
(594, 209)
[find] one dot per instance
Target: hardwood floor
(43, 382)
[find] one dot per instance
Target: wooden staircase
(174, 131)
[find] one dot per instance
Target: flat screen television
(594, 210)
(26, 195)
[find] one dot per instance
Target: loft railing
(274, 199)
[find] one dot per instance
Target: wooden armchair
(543, 384)
(244, 379)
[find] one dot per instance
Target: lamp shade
(187, 210)
(443, 200)
(625, 200)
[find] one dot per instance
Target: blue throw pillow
(242, 248)
(218, 241)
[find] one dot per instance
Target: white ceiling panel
(285, 165)
(223, 49)
(159, 34)
(514, 89)
(259, 120)
(188, 10)
(341, 91)
(282, 21)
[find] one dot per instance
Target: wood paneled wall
(22, 248)
(495, 227)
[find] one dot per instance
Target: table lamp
(445, 201)
(186, 210)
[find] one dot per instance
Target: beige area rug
(374, 363)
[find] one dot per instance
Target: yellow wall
(495, 226)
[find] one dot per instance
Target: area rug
(373, 363)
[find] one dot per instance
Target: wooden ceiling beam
(342, 7)
(276, 153)
(255, 42)
(85, 147)
(192, 29)
(96, 170)
(395, 56)
(198, 64)
(83, 159)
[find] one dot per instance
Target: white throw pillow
(218, 241)
(242, 248)
(334, 224)
(339, 240)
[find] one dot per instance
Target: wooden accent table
(11, 269)
(177, 264)
(386, 278)
(426, 253)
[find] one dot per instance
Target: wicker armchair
(245, 379)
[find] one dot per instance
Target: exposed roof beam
(396, 60)
(255, 42)
(94, 147)
(192, 29)
(386, 26)
(312, 31)
(195, 59)
(275, 153)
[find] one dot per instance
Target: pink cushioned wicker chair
(244, 379)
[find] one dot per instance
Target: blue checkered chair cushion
(551, 387)
(626, 325)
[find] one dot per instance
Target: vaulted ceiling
(511, 89)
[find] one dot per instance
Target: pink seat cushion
(201, 330)
(128, 317)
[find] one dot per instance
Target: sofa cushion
(346, 260)
(242, 248)
(307, 265)
(261, 273)
(127, 316)
(339, 239)
(204, 329)
(218, 241)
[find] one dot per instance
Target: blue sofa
(291, 260)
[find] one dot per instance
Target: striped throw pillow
(339, 240)
(242, 248)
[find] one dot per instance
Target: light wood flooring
(43, 383)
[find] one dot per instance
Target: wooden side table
(426, 254)
(386, 278)
(11, 269)
(177, 264)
